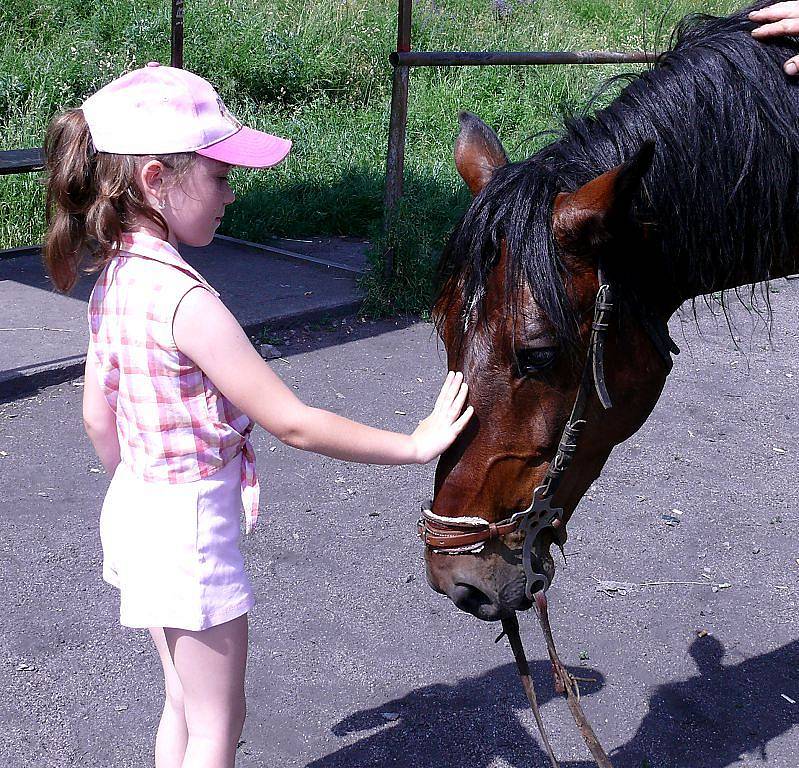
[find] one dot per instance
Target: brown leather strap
(443, 536)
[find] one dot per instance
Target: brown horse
(686, 184)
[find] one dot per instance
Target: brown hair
(92, 199)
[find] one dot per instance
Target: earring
(161, 204)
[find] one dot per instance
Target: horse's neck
(681, 285)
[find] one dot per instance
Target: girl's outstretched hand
(438, 431)
(779, 20)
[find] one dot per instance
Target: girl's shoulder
(159, 261)
(136, 291)
(139, 290)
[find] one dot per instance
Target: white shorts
(172, 550)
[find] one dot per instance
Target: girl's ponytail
(92, 198)
(71, 193)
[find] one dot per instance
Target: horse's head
(515, 314)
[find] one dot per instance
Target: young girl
(173, 386)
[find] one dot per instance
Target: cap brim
(249, 149)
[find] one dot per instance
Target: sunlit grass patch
(317, 72)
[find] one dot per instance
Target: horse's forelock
(515, 208)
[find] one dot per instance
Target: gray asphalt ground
(355, 662)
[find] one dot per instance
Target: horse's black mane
(723, 187)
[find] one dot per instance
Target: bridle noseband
(459, 535)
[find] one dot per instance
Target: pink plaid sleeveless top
(173, 424)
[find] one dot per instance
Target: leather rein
(459, 535)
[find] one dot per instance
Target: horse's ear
(478, 152)
(594, 213)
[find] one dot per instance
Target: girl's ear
(150, 178)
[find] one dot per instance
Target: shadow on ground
(720, 714)
(331, 332)
(465, 725)
(710, 719)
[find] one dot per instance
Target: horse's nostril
(474, 601)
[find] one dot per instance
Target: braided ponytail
(92, 199)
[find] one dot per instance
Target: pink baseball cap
(158, 110)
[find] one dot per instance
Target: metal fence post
(395, 159)
(176, 40)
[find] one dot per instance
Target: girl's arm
(779, 20)
(206, 331)
(99, 420)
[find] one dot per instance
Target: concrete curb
(272, 250)
(24, 250)
(31, 380)
(266, 287)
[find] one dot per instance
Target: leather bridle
(459, 535)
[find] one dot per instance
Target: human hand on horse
(438, 431)
(779, 20)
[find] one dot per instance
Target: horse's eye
(535, 359)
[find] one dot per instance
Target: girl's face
(194, 207)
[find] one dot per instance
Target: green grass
(316, 71)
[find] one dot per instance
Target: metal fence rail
(403, 59)
(21, 161)
(487, 58)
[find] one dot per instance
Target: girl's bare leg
(210, 666)
(172, 736)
